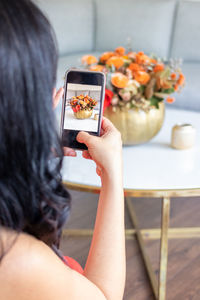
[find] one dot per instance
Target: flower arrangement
(135, 80)
(82, 102)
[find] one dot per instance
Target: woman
(33, 203)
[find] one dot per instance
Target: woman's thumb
(83, 137)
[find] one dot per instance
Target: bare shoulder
(31, 270)
(23, 251)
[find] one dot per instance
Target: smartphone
(82, 106)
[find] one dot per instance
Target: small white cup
(183, 136)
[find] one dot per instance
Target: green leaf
(110, 68)
(141, 89)
(168, 91)
(154, 101)
(126, 64)
(100, 63)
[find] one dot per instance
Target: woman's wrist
(112, 173)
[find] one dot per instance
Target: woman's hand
(105, 150)
(57, 95)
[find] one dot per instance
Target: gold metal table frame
(164, 233)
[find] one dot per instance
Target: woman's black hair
(32, 197)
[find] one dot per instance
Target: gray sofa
(169, 28)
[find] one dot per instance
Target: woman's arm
(105, 265)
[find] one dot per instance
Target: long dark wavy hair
(32, 197)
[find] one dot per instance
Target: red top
(73, 264)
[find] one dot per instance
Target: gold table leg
(164, 248)
(147, 234)
(147, 262)
(89, 232)
(159, 292)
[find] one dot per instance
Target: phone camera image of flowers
(82, 106)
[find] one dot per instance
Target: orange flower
(173, 76)
(141, 58)
(176, 87)
(142, 77)
(135, 67)
(153, 60)
(120, 50)
(115, 61)
(89, 59)
(181, 79)
(97, 68)
(131, 54)
(158, 68)
(119, 80)
(105, 56)
(170, 100)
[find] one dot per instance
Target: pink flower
(115, 100)
(125, 96)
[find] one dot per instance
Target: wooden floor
(184, 255)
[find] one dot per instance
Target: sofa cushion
(72, 22)
(189, 98)
(186, 39)
(147, 23)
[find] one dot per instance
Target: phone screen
(82, 105)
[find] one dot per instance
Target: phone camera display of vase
(83, 114)
(83, 106)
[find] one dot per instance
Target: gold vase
(83, 114)
(136, 126)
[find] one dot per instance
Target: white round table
(153, 169)
(153, 166)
